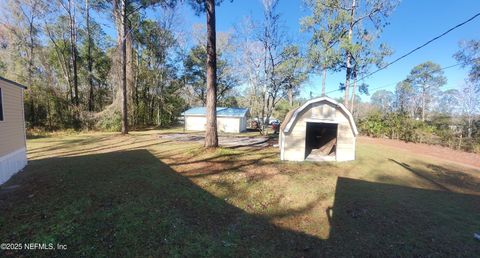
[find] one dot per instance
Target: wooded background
(77, 75)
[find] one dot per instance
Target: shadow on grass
(62, 144)
(101, 144)
(441, 177)
(36, 136)
(384, 220)
(132, 204)
(422, 174)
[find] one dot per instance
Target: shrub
(373, 125)
(110, 123)
(441, 130)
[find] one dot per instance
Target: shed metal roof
(292, 115)
(221, 111)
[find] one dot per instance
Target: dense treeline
(88, 61)
(110, 64)
(71, 65)
(85, 61)
(80, 57)
(420, 111)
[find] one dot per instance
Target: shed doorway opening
(321, 141)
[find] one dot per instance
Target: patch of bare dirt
(224, 141)
(456, 156)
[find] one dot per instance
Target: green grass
(106, 195)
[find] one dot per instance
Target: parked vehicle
(274, 121)
(276, 126)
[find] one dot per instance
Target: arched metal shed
(320, 130)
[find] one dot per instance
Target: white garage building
(229, 120)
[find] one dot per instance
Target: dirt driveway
(224, 141)
(460, 157)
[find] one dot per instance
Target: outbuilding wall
(228, 124)
(243, 124)
(12, 128)
(195, 123)
(224, 124)
(292, 143)
(12, 131)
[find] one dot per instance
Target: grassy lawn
(103, 195)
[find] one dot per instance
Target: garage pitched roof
(292, 116)
(221, 111)
(12, 82)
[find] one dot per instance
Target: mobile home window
(1, 105)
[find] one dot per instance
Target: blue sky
(412, 23)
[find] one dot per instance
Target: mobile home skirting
(12, 163)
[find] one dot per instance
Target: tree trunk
(423, 106)
(124, 69)
(354, 89)
(347, 81)
(349, 56)
(211, 136)
(470, 121)
(91, 102)
(152, 110)
(33, 119)
(262, 121)
(460, 143)
(73, 43)
(290, 96)
(161, 101)
(324, 78)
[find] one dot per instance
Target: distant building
(320, 130)
(229, 120)
(13, 149)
